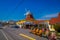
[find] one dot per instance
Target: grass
(58, 34)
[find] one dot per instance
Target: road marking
(4, 35)
(8, 36)
(30, 38)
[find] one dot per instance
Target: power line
(20, 3)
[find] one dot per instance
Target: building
(11, 22)
(55, 20)
(30, 20)
(29, 16)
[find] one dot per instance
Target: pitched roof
(55, 20)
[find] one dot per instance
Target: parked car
(15, 26)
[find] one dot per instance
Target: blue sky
(41, 9)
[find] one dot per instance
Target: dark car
(15, 26)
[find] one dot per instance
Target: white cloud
(40, 19)
(50, 15)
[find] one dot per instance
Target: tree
(57, 27)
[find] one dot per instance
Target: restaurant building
(30, 20)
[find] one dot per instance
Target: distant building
(11, 22)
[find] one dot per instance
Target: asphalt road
(9, 33)
(2, 35)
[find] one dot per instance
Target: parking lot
(20, 34)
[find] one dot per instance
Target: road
(2, 35)
(18, 34)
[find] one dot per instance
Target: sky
(41, 9)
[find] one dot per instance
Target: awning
(29, 23)
(20, 22)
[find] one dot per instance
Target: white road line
(4, 35)
(8, 36)
(15, 35)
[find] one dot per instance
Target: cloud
(50, 15)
